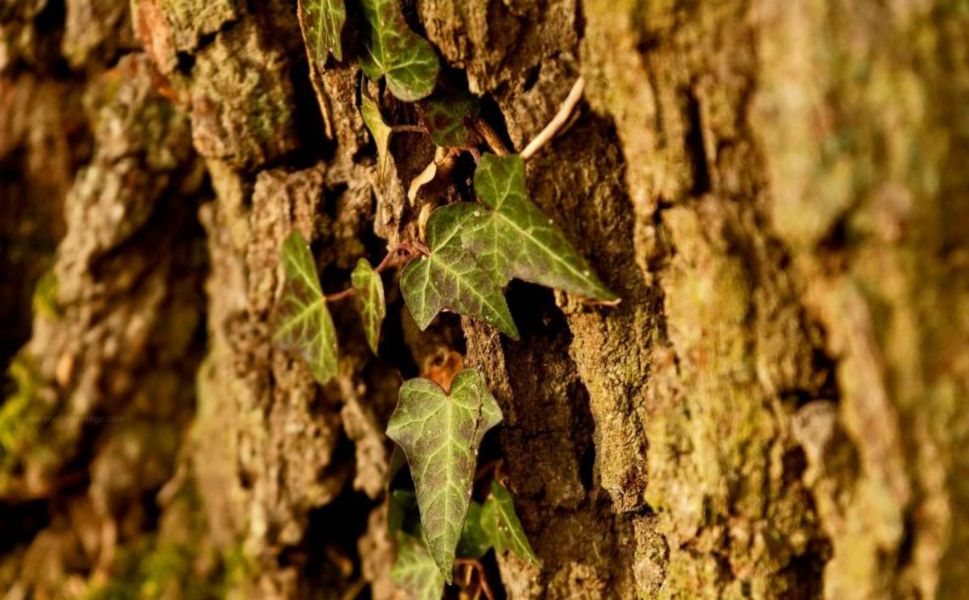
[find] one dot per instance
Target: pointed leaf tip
(379, 129)
(500, 522)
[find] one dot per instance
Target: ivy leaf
(416, 572)
(500, 522)
(378, 128)
(449, 117)
(302, 318)
(440, 434)
(322, 23)
(474, 541)
(515, 239)
(393, 50)
(449, 278)
(369, 299)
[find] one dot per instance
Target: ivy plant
(449, 118)
(449, 277)
(440, 433)
(322, 22)
(491, 525)
(302, 318)
(461, 261)
(415, 569)
(370, 300)
(513, 238)
(393, 51)
(500, 525)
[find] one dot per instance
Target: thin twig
(595, 302)
(403, 253)
(560, 119)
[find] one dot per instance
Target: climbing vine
(462, 260)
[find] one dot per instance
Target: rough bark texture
(777, 190)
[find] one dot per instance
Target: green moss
(176, 562)
(45, 297)
(16, 406)
(22, 414)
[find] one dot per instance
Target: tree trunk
(776, 408)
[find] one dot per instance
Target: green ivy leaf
(322, 23)
(393, 50)
(440, 434)
(501, 524)
(369, 299)
(449, 278)
(415, 570)
(449, 118)
(515, 239)
(401, 503)
(378, 128)
(474, 541)
(302, 318)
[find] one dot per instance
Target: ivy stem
(399, 256)
(494, 465)
(490, 137)
(560, 119)
(478, 568)
(409, 129)
(335, 297)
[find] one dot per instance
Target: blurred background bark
(777, 408)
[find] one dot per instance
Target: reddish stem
(347, 293)
(409, 129)
(479, 570)
(399, 256)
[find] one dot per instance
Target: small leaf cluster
(492, 524)
(473, 249)
(476, 248)
(389, 49)
(303, 320)
(440, 433)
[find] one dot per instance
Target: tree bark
(776, 408)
